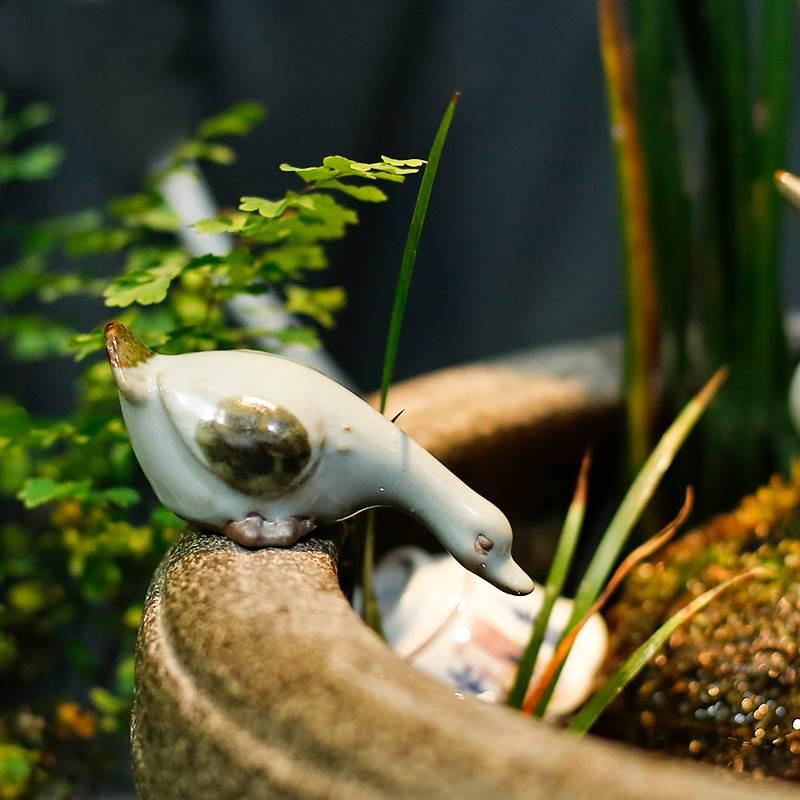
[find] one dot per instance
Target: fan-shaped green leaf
(367, 194)
(238, 120)
(319, 304)
(38, 491)
(146, 284)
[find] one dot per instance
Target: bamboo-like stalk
(770, 362)
(730, 150)
(740, 309)
(731, 431)
(642, 340)
(655, 40)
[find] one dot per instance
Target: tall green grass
(699, 97)
(371, 610)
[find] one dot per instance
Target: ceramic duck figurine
(265, 449)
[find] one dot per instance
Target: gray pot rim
(256, 679)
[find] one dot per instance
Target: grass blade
(559, 569)
(639, 494)
(634, 503)
(371, 609)
(589, 714)
(411, 247)
(641, 308)
(642, 552)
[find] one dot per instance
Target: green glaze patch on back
(254, 446)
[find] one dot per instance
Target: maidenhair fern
(73, 568)
(33, 162)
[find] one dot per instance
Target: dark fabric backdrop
(521, 246)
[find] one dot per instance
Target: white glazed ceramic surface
(357, 458)
(471, 636)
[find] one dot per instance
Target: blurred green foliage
(31, 163)
(86, 538)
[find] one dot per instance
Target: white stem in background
(789, 186)
(188, 195)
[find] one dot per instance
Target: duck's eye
(483, 544)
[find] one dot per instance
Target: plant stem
(371, 611)
(642, 334)
(730, 458)
(658, 83)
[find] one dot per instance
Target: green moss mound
(726, 689)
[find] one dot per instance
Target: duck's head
(130, 360)
(486, 551)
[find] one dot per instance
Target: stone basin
(256, 679)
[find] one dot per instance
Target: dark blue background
(521, 246)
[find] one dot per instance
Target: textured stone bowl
(255, 678)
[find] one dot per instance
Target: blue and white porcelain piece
(265, 449)
(471, 636)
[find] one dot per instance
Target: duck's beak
(509, 577)
(125, 353)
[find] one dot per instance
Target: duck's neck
(415, 482)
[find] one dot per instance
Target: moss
(726, 688)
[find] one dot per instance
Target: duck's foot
(255, 531)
